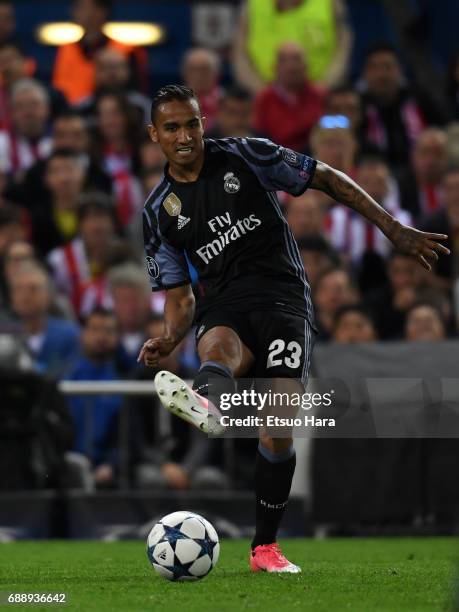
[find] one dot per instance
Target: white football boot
(180, 399)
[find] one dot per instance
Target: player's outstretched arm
(178, 318)
(421, 245)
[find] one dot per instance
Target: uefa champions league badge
(173, 205)
(231, 183)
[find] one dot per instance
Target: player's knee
(220, 350)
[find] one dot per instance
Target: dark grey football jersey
(229, 226)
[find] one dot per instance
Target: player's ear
(152, 133)
(203, 123)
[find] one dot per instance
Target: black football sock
(212, 379)
(273, 479)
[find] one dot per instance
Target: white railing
(92, 387)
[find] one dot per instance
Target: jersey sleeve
(277, 168)
(167, 266)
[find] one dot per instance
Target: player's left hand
(423, 246)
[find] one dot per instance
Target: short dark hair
(98, 311)
(380, 47)
(238, 92)
(9, 215)
(317, 243)
(344, 88)
(331, 270)
(12, 44)
(66, 153)
(358, 308)
(107, 5)
(453, 169)
(69, 114)
(96, 202)
(168, 93)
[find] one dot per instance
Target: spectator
(446, 221)
(55, 219)
(12, 228)
(69, 131)
(112, 72)
(424, 322)
(96, 292)
(151, 155)
(345, 100)
(7, 21)
(16, 253)
(118, 140)
(317, 256)
(333, 142)
(334, 289)
(305, 214)
(52, 342)
(82, 260)
(394, 116)
(130, 291)
(266, 24)
(74, 66)
(14, 66)
(390, 303)
(370, 247)
(374, 175)
(151, 177)
(96, 417)
(353, 324)
(421, 185)
(235, 114)
(201, 71)
(27, 140)
(287, 110)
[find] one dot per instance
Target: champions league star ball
(183, 546)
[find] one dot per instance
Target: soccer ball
(183, 546)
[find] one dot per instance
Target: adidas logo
(182, 221)
(163, 555)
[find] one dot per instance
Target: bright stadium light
(59, 33)
(127, 32)
(134, 33)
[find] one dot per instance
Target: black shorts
(281, 342)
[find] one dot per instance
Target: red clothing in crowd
(287, 118)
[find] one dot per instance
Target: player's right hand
(155, 348)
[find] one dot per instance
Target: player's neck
(186, 174)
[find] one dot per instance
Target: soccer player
(216, 208)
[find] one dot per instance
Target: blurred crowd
(76, 167)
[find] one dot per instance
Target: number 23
(277, 347)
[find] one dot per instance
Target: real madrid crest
(173, 205)
(232, 184)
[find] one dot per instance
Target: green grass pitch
(394, 575)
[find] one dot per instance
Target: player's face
(179, 130)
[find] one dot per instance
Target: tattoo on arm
(344, 190)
